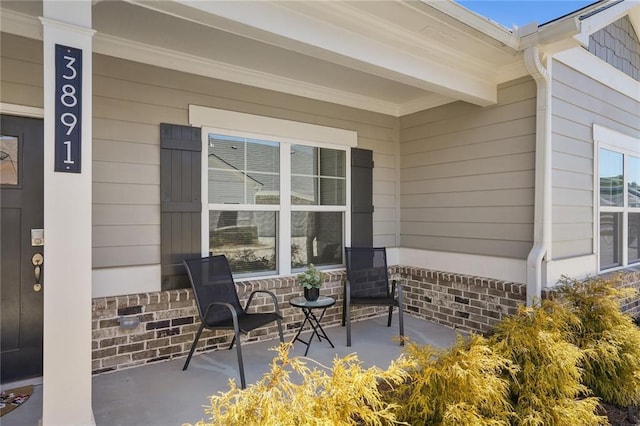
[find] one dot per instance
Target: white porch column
(67, 223)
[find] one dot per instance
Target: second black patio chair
(219, 307)
(368, 284)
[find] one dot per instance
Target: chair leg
(243, 382)
(348, 314)
(193, 346)
(390, 314)
(279, 321)
(400, 317)
(344, 310)
(400, 320)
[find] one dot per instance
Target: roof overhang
(394, 57)
(574, 29)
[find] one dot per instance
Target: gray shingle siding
(618, 45)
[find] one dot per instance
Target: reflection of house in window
(227, 219)
(8, 160)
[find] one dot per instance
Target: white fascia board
(588, 64)
(339, 45)
(480, 23)
(634, 17)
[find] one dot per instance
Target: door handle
(37, 261)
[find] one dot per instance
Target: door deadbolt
(37, 260)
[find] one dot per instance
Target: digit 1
(68, 160)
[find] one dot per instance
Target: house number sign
(68, 117)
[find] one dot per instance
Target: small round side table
(323, 302)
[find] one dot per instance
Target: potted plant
(311, 280)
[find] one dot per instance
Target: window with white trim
(275, 202)
(619, 199)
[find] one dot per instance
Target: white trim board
(108, 282)
(590, 65)
(21, 110)
(574, 267)
(605, 136)
(513, 270)
(278, 128)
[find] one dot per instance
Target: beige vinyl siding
(21, 74)
(467, 175)
(578, 102)
(132, 99)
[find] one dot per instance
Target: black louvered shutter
(180, 201)
(361, 197)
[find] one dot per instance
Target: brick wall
(169, 319)
(629, 277)
(459, 301)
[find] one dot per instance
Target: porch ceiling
(394, 57)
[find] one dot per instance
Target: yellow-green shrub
(458, 386)
(347, 396)
(546, 389)
(610, 339)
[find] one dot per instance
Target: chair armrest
(234, 314)
(270, 293)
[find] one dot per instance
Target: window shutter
(180, 201)
(361, 197)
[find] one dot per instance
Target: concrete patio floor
(162, 394)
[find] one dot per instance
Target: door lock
(37, 261)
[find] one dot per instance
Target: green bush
(609, 338)
(546, 389)
(457, 386)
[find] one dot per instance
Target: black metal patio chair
(219, 307)
(368, 284)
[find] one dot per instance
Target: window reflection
(316, 237)
(610, 239)
(632, 238)
(633, 181)
(611, 180)
(247, 238)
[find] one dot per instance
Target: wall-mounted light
(128, 322)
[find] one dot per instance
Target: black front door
(21, 211)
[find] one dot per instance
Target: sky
(522, 12)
